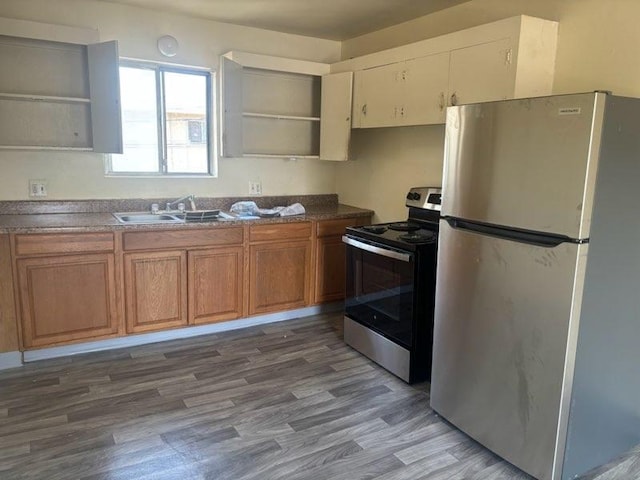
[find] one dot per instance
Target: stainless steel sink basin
(134, 217)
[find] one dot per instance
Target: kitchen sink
(147, 218)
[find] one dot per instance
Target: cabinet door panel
(104, 82)
(425, 90)
(279, 276)
(330, 269)
(381, 95)
(231, 128)
(481, 73)
(67, 298)
(215, 285)
(155, 290)
(335, 116)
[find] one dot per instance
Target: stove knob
(409, 196)
(416, 196)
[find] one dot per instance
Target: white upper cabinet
(403, 93)
(379, 94)
(104, 90)
(59, 90)
(270, 106)
(425, 88)
(335, 116)
(481, 73)
(413, 84)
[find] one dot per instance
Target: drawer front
(279, 231)
(41, 244)
(326, 228)
(182, 238)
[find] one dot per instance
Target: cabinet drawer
(279, 231)
(39, 244)
(182, 238)
(327, 228)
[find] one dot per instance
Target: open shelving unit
(271, 106)
(59, 90)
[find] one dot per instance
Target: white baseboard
(174, 334)
(10, 360)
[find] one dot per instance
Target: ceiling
(330, 19)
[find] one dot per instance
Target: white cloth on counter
(247, 209)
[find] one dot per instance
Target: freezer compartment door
(505, 318)
(528, 164)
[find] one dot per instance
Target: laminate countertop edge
(105, 222)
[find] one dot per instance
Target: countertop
(102, 221)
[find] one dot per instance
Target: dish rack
(201, 215)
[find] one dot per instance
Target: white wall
(597, 50)
(81, 175)
(387, 162)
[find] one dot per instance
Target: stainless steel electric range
(390, 293)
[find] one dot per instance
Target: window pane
(186, 118)
(139, 122)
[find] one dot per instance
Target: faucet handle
(155, 208)
(181, 207)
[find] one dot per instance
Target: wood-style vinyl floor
(284, 401)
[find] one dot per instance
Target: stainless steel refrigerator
(537, 316)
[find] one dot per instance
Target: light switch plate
(37, 188)
(255, 188)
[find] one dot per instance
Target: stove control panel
(428, 198)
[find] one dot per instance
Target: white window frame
(212, 133)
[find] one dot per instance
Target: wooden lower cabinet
(155, 290)
(330, 269)
(279, 276)
(215, 284)
(75, 287)
(66, 298)
(330, 258)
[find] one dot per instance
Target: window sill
(159, 175)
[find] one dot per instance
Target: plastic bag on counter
(244, 208)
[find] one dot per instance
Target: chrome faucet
(180, 202)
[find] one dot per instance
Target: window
(166, 121)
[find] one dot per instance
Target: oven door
(380, 289)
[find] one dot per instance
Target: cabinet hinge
(507, 56)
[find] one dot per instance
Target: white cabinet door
(404, 93)
(335, 116)
(380, 96)
(104, 87)
(231, 107)
(481, 73)
(425, 90)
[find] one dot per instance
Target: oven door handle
(385, 252)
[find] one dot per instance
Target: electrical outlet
(37, 188)
(255, 188)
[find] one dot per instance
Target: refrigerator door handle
(521, 236)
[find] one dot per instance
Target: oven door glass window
(379, 293)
